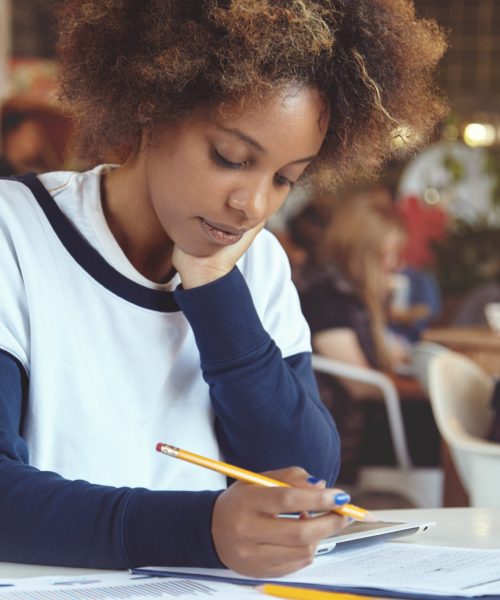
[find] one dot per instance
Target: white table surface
(463, 527)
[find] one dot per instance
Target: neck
(133, 222)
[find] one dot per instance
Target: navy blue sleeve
(268, 411)
(45, 519)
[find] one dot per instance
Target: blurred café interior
(398, 277)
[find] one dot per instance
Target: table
(466, 527)
(14, 570)
(481, 344)
(462, 527)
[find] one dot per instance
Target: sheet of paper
(433, 570)
(118, 585)
(412, 568)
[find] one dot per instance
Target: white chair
(460, 393)
(422, 354)
(389, 393)
(422, 485)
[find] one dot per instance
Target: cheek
(278, 199)
(194, 181)
(171, 188)
(283, 198)
(180, 199)
(391, 263)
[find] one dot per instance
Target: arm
(342, 345)
(46, 519)
(49, 520)
(268, 411)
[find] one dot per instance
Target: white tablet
(360, 533)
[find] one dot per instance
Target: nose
(252, 200)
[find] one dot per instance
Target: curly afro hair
(131, 65)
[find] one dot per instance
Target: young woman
(349, 283)
(143, 302)
(344, 292)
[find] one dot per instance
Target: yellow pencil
(348, 510)
(298, 593)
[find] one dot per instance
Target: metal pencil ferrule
(170, 451)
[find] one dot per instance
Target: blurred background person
(472, 309)
(415, 303)
(345, 288)
(33, 138)
(302, 235)
(346, 285)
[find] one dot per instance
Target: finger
(307, 532)
(296, 499)
(296, 477)
(251, 234)
(296, 532)
(255, 230)
(258, 569)
(315, 482)
(279, 560)
(286, 568)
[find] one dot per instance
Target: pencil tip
(371, 518)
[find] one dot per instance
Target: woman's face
(391, 252)
(217, 174)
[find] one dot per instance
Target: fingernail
(341, 498)
(315, 480)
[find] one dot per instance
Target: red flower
(424, 224)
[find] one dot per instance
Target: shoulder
(265, 252)
(16, 204)
(267, 273)
(328, 302)
(324, 284)
(323, 299)
(24, 220)
(265, 263)
(70, 188)
(61, 185)
(10, 190)
(13, 190)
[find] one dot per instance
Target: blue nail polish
(314, 480)
(341, 498)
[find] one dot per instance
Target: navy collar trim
(90, 260)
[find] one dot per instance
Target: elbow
(335, 465)
(331, 465)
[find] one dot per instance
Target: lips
(220, 233)
(225, 228)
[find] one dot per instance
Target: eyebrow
(249, 140)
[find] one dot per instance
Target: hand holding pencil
(248, 536)
(342, 507)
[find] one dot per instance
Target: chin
(196, 250)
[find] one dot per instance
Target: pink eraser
(159, 446)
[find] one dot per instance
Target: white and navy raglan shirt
(98, 364)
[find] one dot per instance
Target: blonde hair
(354, 242)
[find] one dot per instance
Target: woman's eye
(282, 180)
(227, 163)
